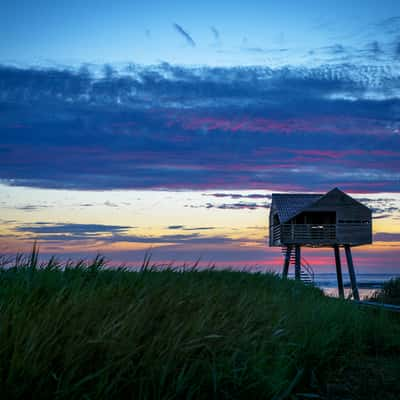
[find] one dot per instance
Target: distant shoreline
(364, 281)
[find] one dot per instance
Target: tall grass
(80, 331)
(390, 292)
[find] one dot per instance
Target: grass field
(390, 292)
(80, 331)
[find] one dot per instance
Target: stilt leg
(339, 271)
(286, 262)
(352, 273)
(297, 266)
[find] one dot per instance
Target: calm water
(367, 283)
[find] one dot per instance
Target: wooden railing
(320, 233)
(304, 233)
(276, 231)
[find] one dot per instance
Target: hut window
(316, 217)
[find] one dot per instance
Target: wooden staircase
(306, 271)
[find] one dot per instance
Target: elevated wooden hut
(333, 219)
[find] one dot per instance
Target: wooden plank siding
(321, 235)
(333, 219)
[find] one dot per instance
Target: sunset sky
(128, 126)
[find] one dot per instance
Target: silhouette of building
(331, 220)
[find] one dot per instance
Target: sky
(128, 127)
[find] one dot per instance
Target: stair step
(306, 271)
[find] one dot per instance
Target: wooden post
(352, 273)
(339, 271)
(297, 265)
(286, 262)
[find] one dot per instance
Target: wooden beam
(297, 266)
(339, 271)
(352, 273)
(286, 262)
(389, 307)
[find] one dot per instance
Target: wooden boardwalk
(389, 307)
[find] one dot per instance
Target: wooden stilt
(339, 271)
(352, 273)
(297, 266)
(286, 262)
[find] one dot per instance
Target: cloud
(255, 49)
(46, 233)
(382, 216)
(199, 228)
(155, 239)
(375, 48)
(397, 49)
(335, 49)
(390, 26)
(175, 127)
(386, 237)
(262, 50)
(386, 206)
(71, 232)
(70, 228)
(184, 228)
(31, 207)
(240, 196)
(215, 33)
(185, 35)
(110, 204)
(7, 221)
(232, 206)
(177, 239)
(389, 210)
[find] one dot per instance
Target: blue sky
(223, 33)
(168, 125)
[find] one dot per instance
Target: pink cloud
(340, 125)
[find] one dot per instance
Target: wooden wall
(353, 220)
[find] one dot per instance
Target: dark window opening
(316, 218)
(353, 221)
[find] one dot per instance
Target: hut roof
(292, 204)
(289, 205)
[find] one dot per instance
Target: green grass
(80, 331)
(390, 292)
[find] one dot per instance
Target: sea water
(367, 283)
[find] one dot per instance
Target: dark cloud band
(199, 128)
